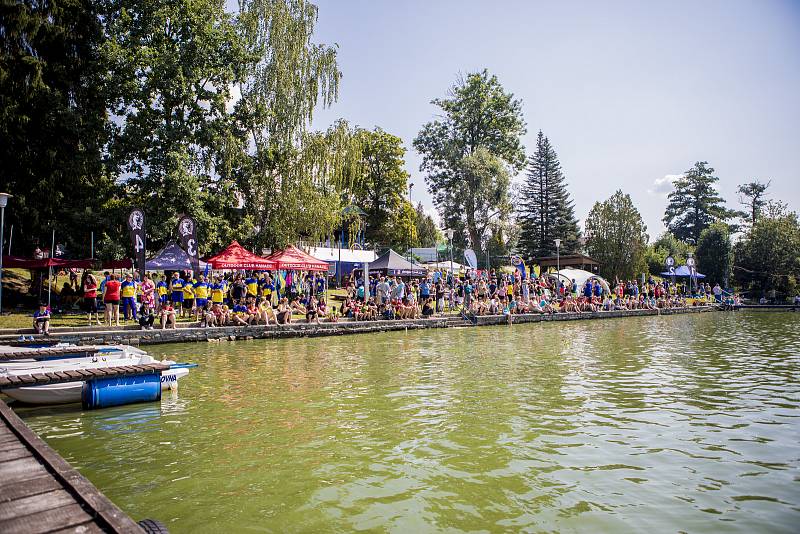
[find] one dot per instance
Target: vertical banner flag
(137, 231)
(519, 263)
(187, 231)
(471, 258)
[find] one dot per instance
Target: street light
(558, 255)
(410, 241)
(3, 203)
(449, 234)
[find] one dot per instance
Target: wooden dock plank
(48, 520)
(11, 353)
(33, 486)
(35, 504)
(41, 492)
(57, 377)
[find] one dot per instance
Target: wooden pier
(79, 375)
(40, 492)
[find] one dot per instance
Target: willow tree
(290, 178)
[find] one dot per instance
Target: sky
(631, 94)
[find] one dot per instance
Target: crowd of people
(253, 298)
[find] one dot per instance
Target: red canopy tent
(235, 256)
(126, 263)
(292, 258)
(16, 262)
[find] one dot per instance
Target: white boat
(101, 357)
(69, 392)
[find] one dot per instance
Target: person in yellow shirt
(188, 298)
(201, 290)
(128, 294)
(217, 291)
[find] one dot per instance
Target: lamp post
(3, 203)
(558, 255)
(410, 235)
(449, 234)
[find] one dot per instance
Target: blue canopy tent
(683, 272)
(171, 258)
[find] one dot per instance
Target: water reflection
(674, 423)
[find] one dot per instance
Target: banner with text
(138, 239)
(187, 231)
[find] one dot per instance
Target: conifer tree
(695, 204)
(545, 209)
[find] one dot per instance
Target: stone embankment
(192, 333)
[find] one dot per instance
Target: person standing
(148, 289)
(111, 300)
(176, 288)
(128, 294)
(90, 297)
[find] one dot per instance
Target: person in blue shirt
(424, 290)
(587, 289)
(598, 289)
(41, 320)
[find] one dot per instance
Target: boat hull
(70, 392)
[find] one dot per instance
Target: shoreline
(135, 337)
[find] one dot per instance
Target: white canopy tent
(347, 254)
(444, 266)
(580, 276)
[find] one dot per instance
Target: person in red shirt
(111, 299)
(90, 297)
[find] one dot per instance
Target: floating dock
(40, 492)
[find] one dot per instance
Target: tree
(715, 253)
(380, 188)
(545, 209)
(666, 245)
(766, 257)
(171, 66)
(427, 233)
(616, 237)
(694, 204)
(293, 181)
(468, 153)
(751, 195)
(53, 122)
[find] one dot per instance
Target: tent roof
(125, 263)
(580, 276)
(445, 265)
(395, 264)
(44, 263)
(292, 258)
(347, 255)
(683, 272)
(235, 256)
(171, 258)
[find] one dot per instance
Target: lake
(678, 423)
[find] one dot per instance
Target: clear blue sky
(628, 92)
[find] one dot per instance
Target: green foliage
(468, 153)
(427, 233)
(715, 254)
(381, 183)
(666, 245)
(545, 209)
(53, 123)
(171, 65)
(695, 203)
(616, 237)
(767, 256)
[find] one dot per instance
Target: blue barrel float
(116, 391)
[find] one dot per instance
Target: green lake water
(661, 424)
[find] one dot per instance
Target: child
(41, 320)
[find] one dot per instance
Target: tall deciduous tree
(545, 209)
(616, 236)
(286, 173)
(383, 182)
(752, 196)
(468, 152)
(172, 64)
(766, 257)
(715, 253)
(695, 203)
(427, 233)
(53, 122)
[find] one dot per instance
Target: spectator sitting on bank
(41, 320)
(167, 315)
(146, 316)
(427, 308)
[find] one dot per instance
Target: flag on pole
(136, 229)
